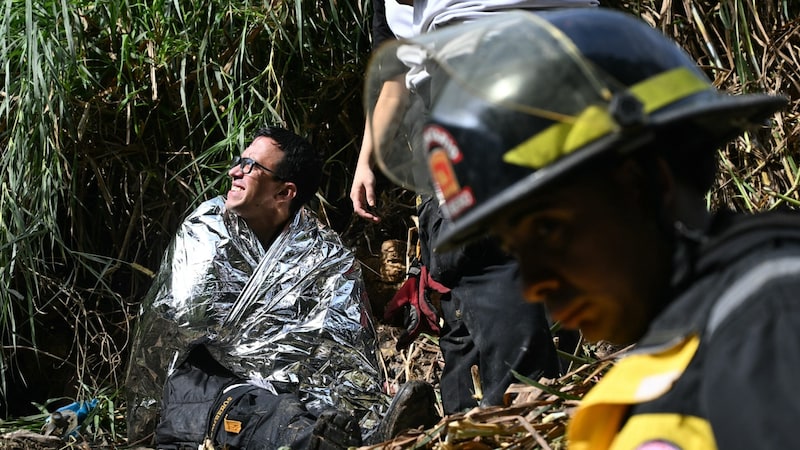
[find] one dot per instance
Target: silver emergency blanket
(293, 317)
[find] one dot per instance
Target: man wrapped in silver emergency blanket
(292, 317)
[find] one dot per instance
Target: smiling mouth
(236, 189)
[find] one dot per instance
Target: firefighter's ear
(681, 201)
(665, 184)
(649, 183)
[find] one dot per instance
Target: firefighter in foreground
(586, 141)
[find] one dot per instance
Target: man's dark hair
(301, 163)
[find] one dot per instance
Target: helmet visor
(457, 64)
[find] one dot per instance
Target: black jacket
(718, 367)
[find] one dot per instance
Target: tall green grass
(115, 118)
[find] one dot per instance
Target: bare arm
(362, 193)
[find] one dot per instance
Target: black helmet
(518, 100)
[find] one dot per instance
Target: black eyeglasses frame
(247, 164)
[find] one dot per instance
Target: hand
(362, 193)
(392, 98)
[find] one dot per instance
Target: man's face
(253, 195)
(594, 254)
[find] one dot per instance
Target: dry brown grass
(535, 415)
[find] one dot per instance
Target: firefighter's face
(594, 254)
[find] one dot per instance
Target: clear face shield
(503, 60)
(486, 113)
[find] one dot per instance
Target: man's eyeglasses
(247, 164)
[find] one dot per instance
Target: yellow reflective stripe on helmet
(550, 144)
(668, 87)
(594, 122)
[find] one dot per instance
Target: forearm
(383, 120)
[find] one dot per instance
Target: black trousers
(197, 390)
(487, 323)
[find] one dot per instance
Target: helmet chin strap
(686, 241)
(675, 205)
(688, 236)
(680, 220)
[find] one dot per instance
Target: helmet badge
(443, 152)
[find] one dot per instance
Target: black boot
(413, 406)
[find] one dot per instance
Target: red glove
(412, 307)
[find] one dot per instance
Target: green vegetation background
(117, 117)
